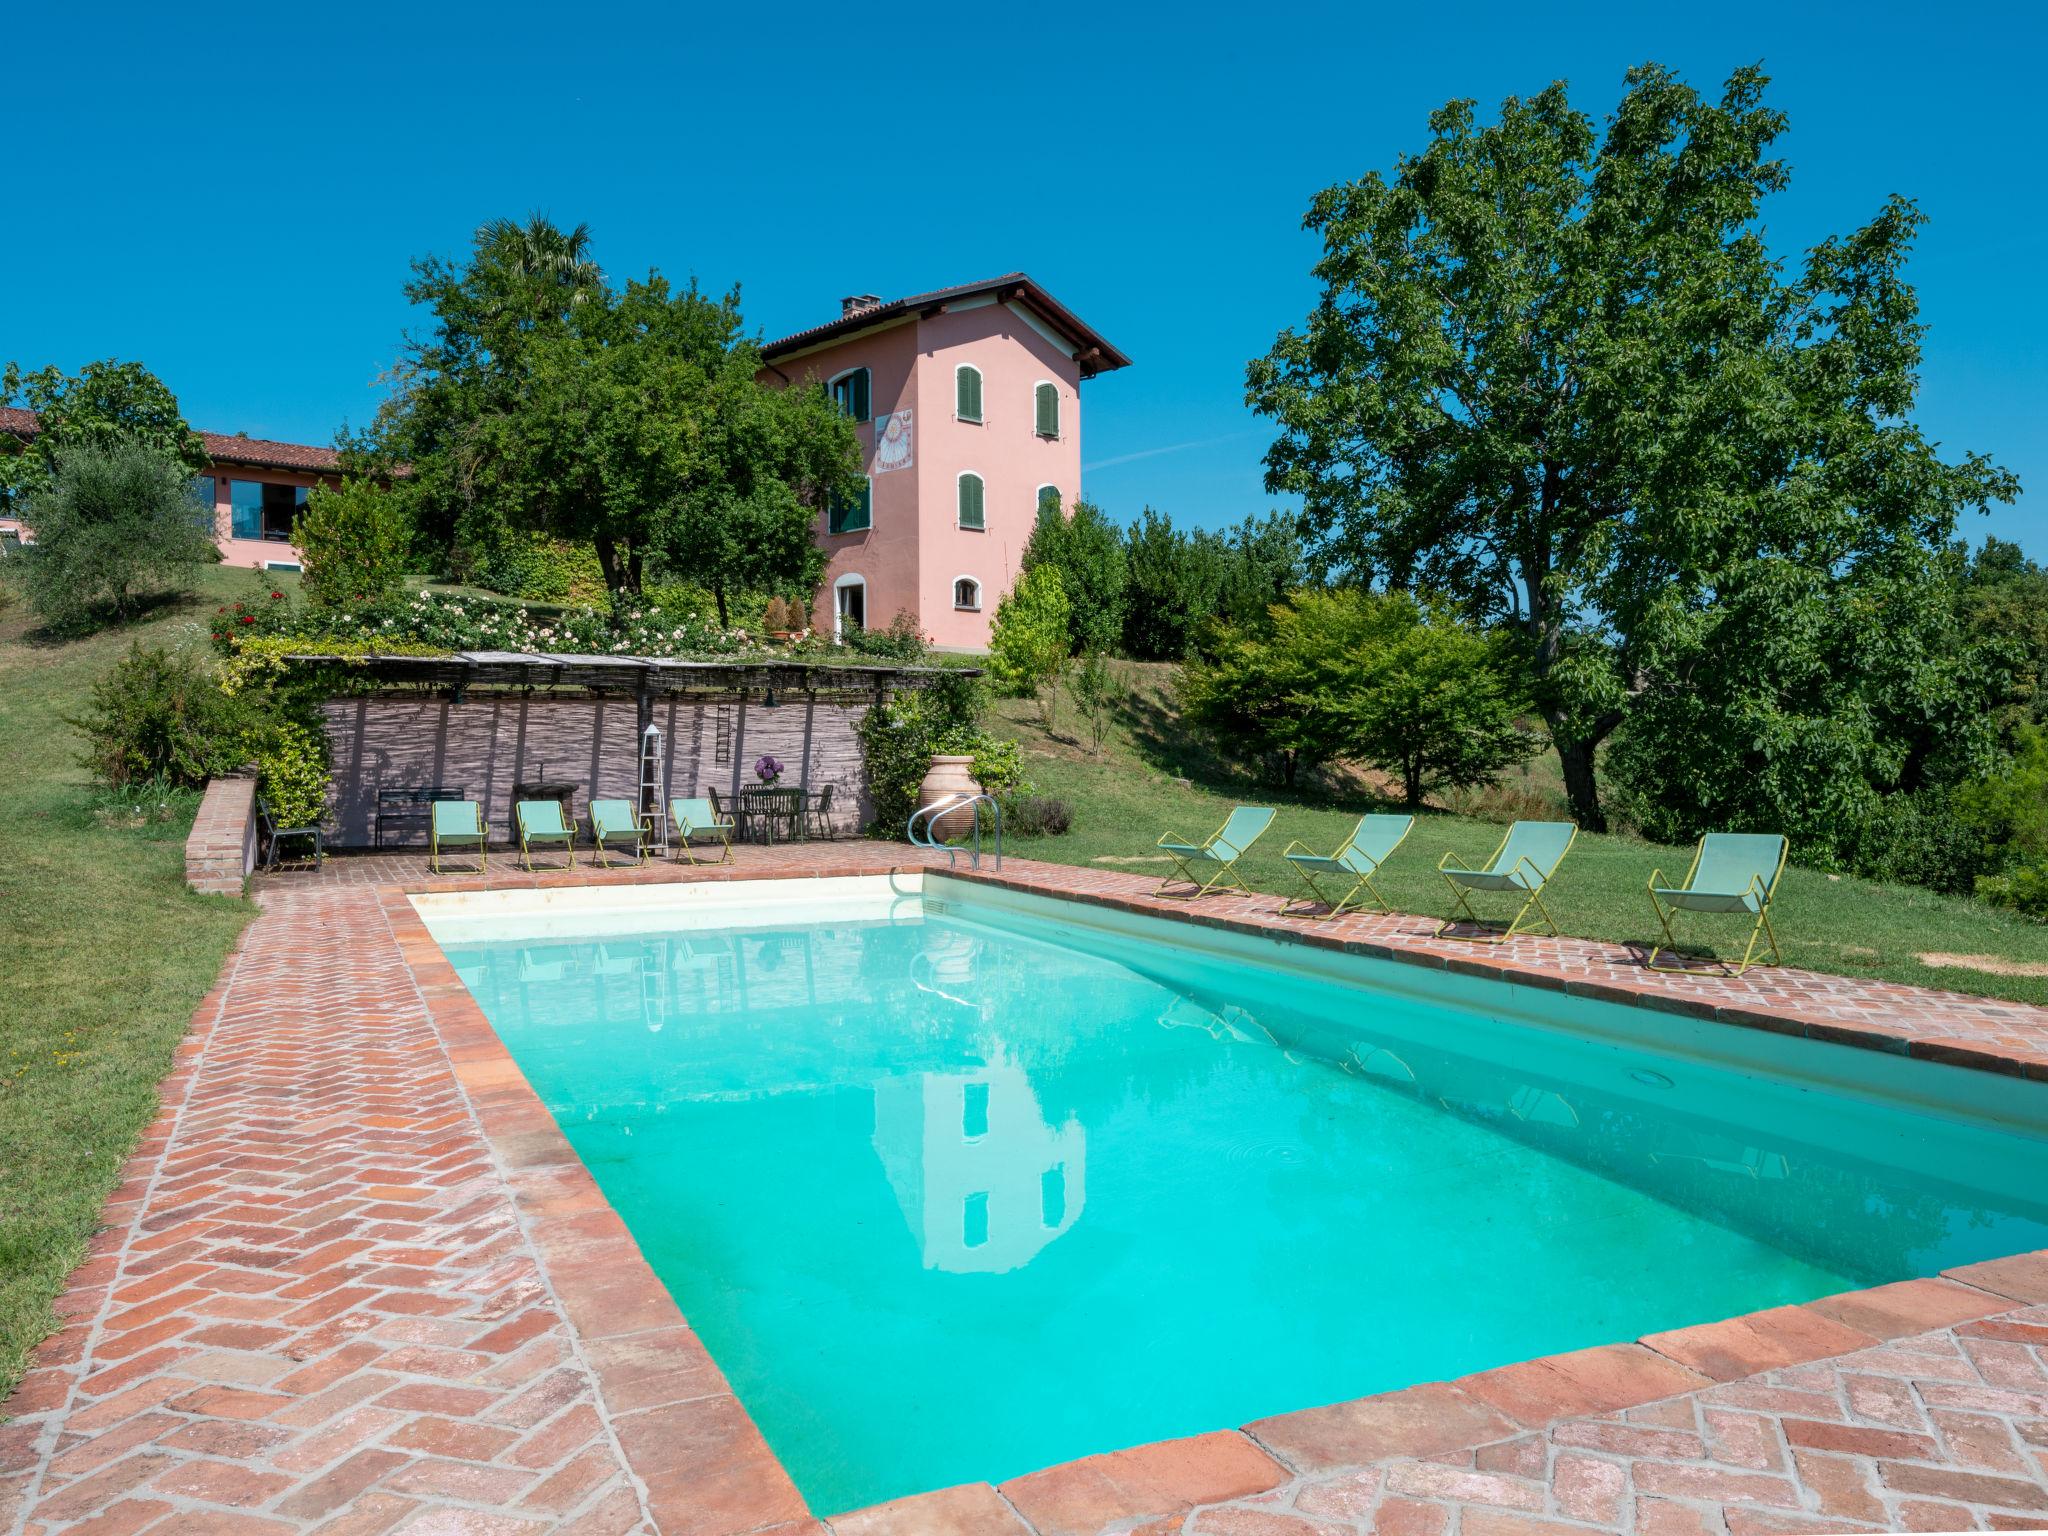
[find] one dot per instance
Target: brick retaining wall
(222, 846)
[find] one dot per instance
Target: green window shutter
(861, 404)
(852, 514)
(1048, 499)
(970, 502)
(967, 393)
(1048, 410)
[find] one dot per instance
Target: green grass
(106, 956)
(1154, 776)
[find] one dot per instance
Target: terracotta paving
(355, 1281)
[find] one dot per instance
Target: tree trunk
(1411, 783)
(1580, 790)
(718, 596)
(608, 562)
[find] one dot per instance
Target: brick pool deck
(355, 1281)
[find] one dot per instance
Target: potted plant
(781, 619)
(768, 769)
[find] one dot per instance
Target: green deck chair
(540, 821)
(1359, 858)
(1524, 862)
(1220, 852)
(616, 821)
(1731, 872)
(459, 824)
(694, 816)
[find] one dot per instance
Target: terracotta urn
(947, 777)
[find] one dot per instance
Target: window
(971, 513)
(967, 392)
(854, 514)
(1048, 500)
(967, 594)
(849, 604)
(203, 497)
(974, 1220)
(850, 393)
(1046, 398)
(263, 511)
(973, 1111)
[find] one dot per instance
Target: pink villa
(253, 489)
(969, 405)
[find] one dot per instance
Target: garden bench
(410, 806)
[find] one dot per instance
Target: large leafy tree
(1088, 551)
(103, 403)
(629, 417)
(1557, 373)
(115, 525)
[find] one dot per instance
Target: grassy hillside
(1156, 775)
(106, 956)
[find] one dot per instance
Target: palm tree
(541, 250)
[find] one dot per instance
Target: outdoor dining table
(765, 807)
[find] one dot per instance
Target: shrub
(1037, 816)
(354, 541)
(899, 738)
(901, 641)
(2023, 889)
(1088, 552)
(1099, 690)
(117, 523)
(266, 613)
(540, 569)
(157, 716)
(291, 771)
(1028, 647)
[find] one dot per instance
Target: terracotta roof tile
(258, 452)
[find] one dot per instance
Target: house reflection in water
(984, 1182)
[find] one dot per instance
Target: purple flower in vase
(767, 769)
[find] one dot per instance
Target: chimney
(859, 304)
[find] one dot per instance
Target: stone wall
(489, 742)
(221, 848)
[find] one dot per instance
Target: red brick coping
(221, 847)
(357, 1280)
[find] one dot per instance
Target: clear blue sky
(231, 194)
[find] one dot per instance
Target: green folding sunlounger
(1522, 865)
(1733, 872)
(456, 824)
(694, 818)
(616, 821)
(1217, 855)
(1357, 859)
(540, 821)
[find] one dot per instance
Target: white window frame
(957, 480)
(973, 607)
(850, 579)
(847, 373)
(971, 421)
(1059, 405)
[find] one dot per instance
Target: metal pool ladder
(931, 813)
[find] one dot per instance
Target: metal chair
(818, 811)
(270, 835)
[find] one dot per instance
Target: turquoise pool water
(957, 1194)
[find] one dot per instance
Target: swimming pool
(957, 1182)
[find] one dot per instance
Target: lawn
(107, 954)
(1155, 775)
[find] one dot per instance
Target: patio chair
(818, 810)
(1733, 872)
(697, 816)
(273, 837)
(1358, 857)
(457, 823)
(616, 821)
(1524, 863)
(540, 821)
(1219, 853)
